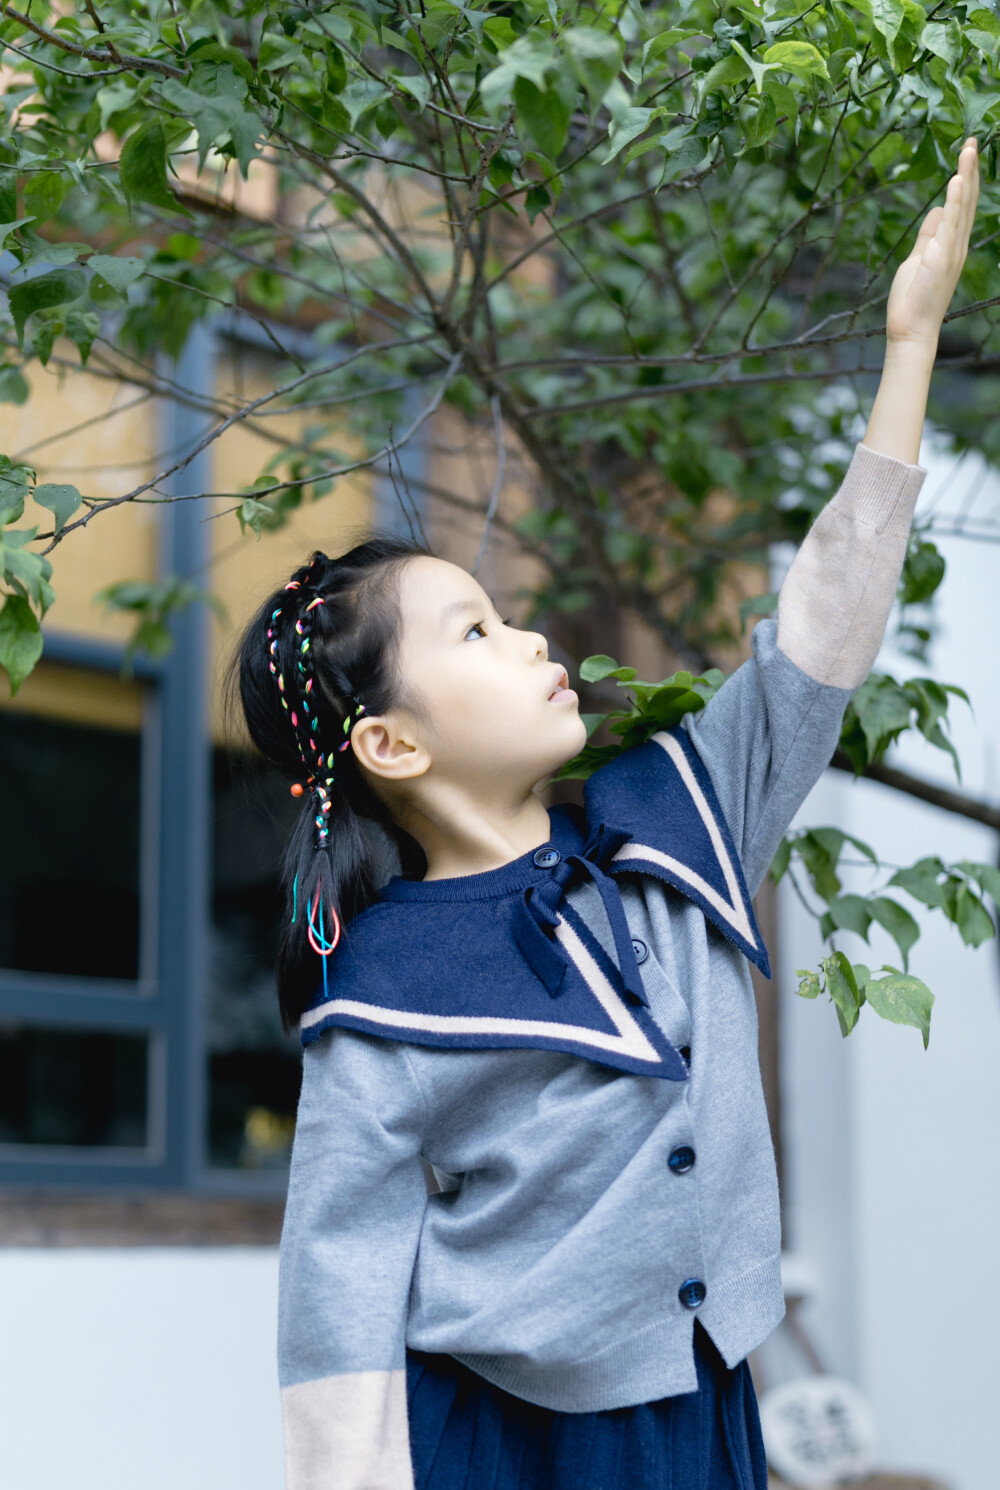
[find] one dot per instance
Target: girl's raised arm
(769, 732)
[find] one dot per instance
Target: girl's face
(490, 709)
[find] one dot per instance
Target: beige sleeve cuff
(838, 592)
(348, 1432)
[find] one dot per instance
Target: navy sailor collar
(502, 958)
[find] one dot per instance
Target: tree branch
(925, 791)
(93, 54)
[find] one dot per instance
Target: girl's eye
(480, 626)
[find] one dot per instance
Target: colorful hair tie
(317, 760)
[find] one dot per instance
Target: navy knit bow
(535, 927)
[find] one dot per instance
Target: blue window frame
(108, 1077)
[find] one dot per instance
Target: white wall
(141, 1368)
(892, 1179)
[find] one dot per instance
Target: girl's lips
(562, 691)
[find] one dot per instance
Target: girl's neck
(461, 835)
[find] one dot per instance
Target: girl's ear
(387, 749)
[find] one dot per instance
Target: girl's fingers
(968, 162)
(955, 228)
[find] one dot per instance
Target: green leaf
(220, 117)
(764, 124)
(545, 115)
(593, 669)
(418, 87)
(758, 69)
(27, 572)
(944, 41)
(724, 74)
(278, 51)
(535, 201)
(62, 502)
(921, 881)
(20, 640)
(819, 861)
(975, 925)
(809, 985)
(254, 514)
(115, 98)
(143, 169)
(7, 228)
(897, 921)
(902, 999)
(81, 328)
(205, 49)
(801, 57)
(117, 271)
(858, 843)
(842, 987)
(43, 293)
(336, 73)
(360, 96)
(625, 127)
(13, 388)
(595, 57)
(851, 913)
(988, 877)
(43, 194)
(529, 57)
(883, 709)
(781, 859)
(923, 571)
(13, 491)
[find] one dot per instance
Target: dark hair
(353, 641)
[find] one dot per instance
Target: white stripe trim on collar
(628, 1041)
(732, 911)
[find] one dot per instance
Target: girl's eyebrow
(455, 607)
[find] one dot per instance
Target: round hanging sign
(818, 1431)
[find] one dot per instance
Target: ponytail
(319, 654)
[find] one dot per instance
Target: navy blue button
(692, 1293)
(682, 1159)
(640, 949)
(546, 856)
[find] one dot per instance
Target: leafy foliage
(639, 239)
(651, 707)
(897, 997)
(883, 709)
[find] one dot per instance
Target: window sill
(35, 1219)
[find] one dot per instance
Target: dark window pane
(68, 1087)
(254, 1068)
(69, 825)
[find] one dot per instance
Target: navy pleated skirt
(466, 1434)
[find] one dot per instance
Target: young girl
(551, 1010)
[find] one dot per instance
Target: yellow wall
(77, 694)
(114, 452)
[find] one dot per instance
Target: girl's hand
(925, 282)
